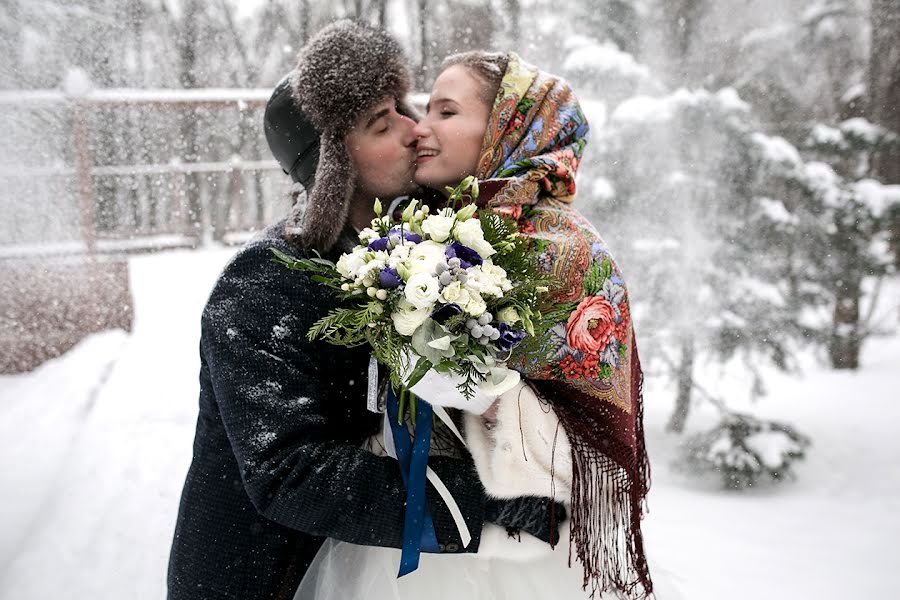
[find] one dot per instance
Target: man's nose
(409, 135)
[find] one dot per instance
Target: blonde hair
(488, 67)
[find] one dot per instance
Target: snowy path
(96, 444)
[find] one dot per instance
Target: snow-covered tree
(861, 216)
(705, 210)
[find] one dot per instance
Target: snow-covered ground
(95, 446)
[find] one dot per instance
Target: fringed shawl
(590, 371)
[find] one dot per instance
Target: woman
(573, 431)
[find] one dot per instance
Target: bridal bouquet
(447, 290)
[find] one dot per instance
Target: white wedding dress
(513, 455)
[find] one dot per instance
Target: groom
(277, 462)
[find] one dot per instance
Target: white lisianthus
(438, 227)
(349, 264)
(368, 235)
(422, 290)
(469, 233)
(455, 293)
(407, 318)
(424, 257)
(475, 306)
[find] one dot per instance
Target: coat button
(442, 548)
(452, 547)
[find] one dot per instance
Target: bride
(572, 428)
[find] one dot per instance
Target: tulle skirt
(343, 571)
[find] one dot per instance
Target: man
(277, 463)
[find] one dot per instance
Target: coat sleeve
(295, 415)
(522, 451)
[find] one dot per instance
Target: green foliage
(593, 281)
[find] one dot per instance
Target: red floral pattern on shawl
(591, 371)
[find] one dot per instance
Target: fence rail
(185, 202)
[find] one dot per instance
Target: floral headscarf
(588, 368)
(535, 136)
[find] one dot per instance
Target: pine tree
(704, 207)
(860, 216)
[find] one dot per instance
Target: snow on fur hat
(345, 70)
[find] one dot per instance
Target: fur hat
(345, 70)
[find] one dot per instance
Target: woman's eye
(447, 113)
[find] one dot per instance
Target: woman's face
(449, 138)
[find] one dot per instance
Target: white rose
(422, 290)
(348, 265)
(508, 315)
(476, 305)
(407, 317)
(469, 233)
(424, 257)
(455, 294)
(438, 227)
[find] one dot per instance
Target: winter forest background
(744, 165)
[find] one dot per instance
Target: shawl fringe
(610, 482)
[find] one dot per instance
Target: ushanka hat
(345, 70)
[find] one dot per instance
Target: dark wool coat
(277, 461)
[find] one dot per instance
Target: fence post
(87, 207)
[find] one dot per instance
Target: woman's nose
(421, 129)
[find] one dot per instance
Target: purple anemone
(509, 337)
(467, 257)
(389, 279)
(445, 312)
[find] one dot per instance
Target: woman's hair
(489, 67)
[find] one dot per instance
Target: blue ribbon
(418, 528)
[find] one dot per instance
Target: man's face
(382, 148)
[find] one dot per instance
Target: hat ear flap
(328, 204)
